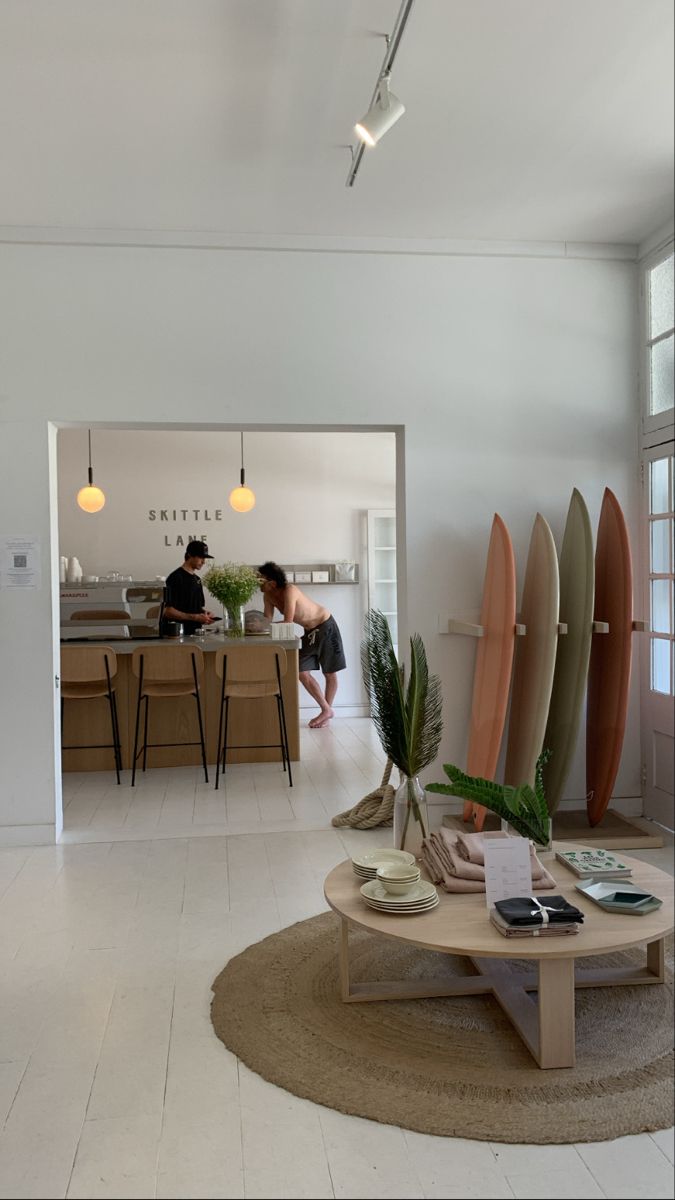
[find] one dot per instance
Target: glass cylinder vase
(411, 819)
(235, 621)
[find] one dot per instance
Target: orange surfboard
(494, 658)
(609, 668)
(535, 657)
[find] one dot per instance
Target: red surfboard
(609, 668)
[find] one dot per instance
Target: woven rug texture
(453, 1066)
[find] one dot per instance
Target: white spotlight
(380, 117)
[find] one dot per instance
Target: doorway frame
(54, 426)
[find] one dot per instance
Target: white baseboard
(28, 835)
(627, 806)
(340, 710)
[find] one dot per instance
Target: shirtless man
(321, 645)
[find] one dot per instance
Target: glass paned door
(660, 342)
(382, 586)
(658, 665)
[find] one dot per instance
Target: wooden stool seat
(255, 674)
(165, 672)
(87, 673)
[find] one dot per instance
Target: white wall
(515, 379)
(311, 491)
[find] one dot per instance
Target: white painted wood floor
(112, 1083)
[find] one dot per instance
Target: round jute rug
(453, 1066)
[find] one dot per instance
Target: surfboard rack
(640, 626)
(469, 629)
(600, 627)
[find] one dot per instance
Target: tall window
(660, 337)
(661, 551)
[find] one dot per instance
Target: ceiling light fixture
(385, 108)
(242, 499)
(381, 115)
(90, 498)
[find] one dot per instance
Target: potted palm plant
(408, 720)
(523, 808)
(233, 584)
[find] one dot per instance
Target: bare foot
(315, 721)
(323, 719)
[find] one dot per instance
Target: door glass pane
(385, 564)
(661, 666)
(661, 397)
(662, 619)
(662, 532)
(658, 494)
(661, 297)
(385, 531)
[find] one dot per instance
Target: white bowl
(398, 879)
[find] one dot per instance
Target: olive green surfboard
(535, 657)
(577, 585)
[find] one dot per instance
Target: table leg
(556, 1012)
(656, 960)
(343, 954)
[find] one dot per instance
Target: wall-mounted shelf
(308, 570)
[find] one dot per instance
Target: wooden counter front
(175, 719)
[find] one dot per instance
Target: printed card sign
(508, 868)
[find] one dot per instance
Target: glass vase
(235, 621)
(539, 846)
(411, 819)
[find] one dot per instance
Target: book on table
(594, 863)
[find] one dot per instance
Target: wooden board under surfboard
(535, 657)
(609, 667)
(494, 657)
(577, 578)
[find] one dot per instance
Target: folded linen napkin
(470, 846)
(521, 931)
(449, 851)
(538, 910)
(440, 875)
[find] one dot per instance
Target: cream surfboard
(577, 577)
(609, 669)
(494, 657)
(535, 657)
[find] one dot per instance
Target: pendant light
(242, 499)
(90, 498)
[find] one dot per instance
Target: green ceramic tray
(632, 899)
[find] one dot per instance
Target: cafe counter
(251, 721)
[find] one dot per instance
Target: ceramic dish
(402, 912)
(419, 893)
(619, 896)
(379, 858)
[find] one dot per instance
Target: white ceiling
(526, 119)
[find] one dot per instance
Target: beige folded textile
(515, 931)
(438, 873)
(449, 852)
(470, 846)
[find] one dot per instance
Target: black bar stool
(253, 674)
(87, 673)
(165, 672)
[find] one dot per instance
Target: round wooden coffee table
(460, 925)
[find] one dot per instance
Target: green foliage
(523, 807)
(409, 722)
(233, 584)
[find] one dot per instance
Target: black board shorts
(322, 649)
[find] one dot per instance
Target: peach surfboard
(535, 657)
(577, 577)
(494, 658)
(609, 669)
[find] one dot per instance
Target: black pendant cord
(242, 473)
(91, 473)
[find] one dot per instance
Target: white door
(658, 661)
(382, 587)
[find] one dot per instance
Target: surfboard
(494, 658)
(609, 668)
(535, 657)
(577, 579)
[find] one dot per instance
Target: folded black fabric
(538, 910)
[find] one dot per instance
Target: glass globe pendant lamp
(90, 498)
(242, 498)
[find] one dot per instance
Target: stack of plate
(421, 897)
(366, 865)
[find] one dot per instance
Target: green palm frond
(409, 722)
(523, 807)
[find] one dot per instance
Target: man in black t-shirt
(183, 591)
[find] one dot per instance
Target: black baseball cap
(197, 550)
